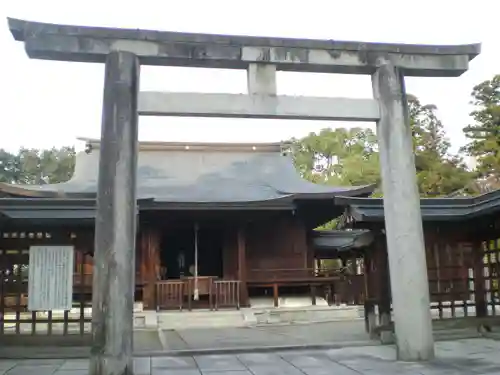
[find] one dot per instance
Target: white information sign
(50, 283)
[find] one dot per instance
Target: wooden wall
(85, 261)
(270, 244)
(448, 268)
(276, 244)
(451, 258)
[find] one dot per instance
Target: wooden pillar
(384, 289)
(370, 288)
(479, 284)
(150, 265)
(115, 235)
(242, 267)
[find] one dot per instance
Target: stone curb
(253, 349)
(84, 354)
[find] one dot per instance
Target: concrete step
(165, 320)
(201, 319)
(456, 334)
(307, 315)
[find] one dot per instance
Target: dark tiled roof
(433, 209)
(199, 174)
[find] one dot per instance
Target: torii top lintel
(93, 44)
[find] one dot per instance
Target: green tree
(484, 133)
(438, 172)
(342, 157)
(32, 166)
(350, 157)
(9, 167)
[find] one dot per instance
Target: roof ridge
(94, 144)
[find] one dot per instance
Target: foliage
(484, 133)
(9, 167)
(338, 157)
(331, 225)
(347, 157)
(31, 166)
(330, 264)
(438, 172)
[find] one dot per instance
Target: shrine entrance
(192, 270)
(192, 248)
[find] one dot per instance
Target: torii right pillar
(403, 219)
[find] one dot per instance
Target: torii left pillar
(114, 259)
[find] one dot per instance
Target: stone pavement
(217, 340)
(147, 341)
(271, 335)
(459, 357)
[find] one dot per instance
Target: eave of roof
(338, 240)
(61, 208)
(73, 207)
(433, 209)
(252, 147)
(48, 209)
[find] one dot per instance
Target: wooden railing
(226, 293)
(350, 290)
(213, 293)
(18, 326)
(170, 294)
(291, 274)
(336, 285)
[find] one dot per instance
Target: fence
(340, 285)
(212, 293)
(17, 324)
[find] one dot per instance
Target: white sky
(47, 103)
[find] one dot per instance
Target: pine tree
(484, 133)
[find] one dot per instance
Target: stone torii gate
(123, 51)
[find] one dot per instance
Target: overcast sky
(46, 103)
